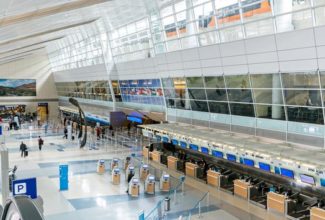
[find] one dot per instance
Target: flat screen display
(183, 144)
(217, 153)
(165, 139)
(194, 147)
(287, 173)
(249, 162)
(307, 179)
(204, 150)
(231, 157)
(264, 166)
(175, 142)
(322, 182)
(134, 119)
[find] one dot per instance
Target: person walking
(130, 176)
(40, 143)
(23, 149)
(65, 133)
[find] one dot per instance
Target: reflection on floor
(93, 196)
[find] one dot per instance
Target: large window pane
(231, 33)
(270, 111)
(259, 28)
(240, 95)
(216, 94)
(208, 38)
(219, 107)
(237, 81)
(242, 109)
(199, 106)
(214, 82)
(300, 80)
(197, 94)
(255, 10)
(302, 97)
(319, 2)
(266, 80)
(227, 12)
(268, 96)
(322, 78)
(194, 82)
(178, 103)
(307, 115)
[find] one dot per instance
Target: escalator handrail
(24, 206)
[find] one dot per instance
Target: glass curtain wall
(293, 97)
(95, 90)
(77, 50)
(182, 24)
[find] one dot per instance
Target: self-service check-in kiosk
(101, 167)
(149, 184)
(116, 176)
(134, 187)
(144, 171)
(129, 170)
(114, 163)
(165, 182)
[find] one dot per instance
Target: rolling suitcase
(26, 153)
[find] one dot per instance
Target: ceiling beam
(22, 53)
(47, 32)
(31, 45)
(44, 12)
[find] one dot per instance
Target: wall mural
(17, 87)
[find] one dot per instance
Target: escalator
(21, 208)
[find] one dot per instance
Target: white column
(4, 174)
(276, 97)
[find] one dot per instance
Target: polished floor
(93, 196)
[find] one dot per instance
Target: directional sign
(25, 187)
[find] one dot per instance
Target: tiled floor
(93, 196)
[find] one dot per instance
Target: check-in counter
(213, 178)
(317, 213)
(172, 162)
(116, 176)
(190, 169)
(276, 202)
(145, 152)
(155, 155)
(144, 172)
(241, 188)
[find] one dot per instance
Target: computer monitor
(307, 179)
(264, 166)
(287, 173)
(204, 150)
(248, 162)
(217, 153)
(231, 157)
(145, 166)
(151, 178)
(135, 181)
(166, 177)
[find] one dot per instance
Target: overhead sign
(25, 187)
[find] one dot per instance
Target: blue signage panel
(217, 153)
(194, 147)
(287, 173)
(0, 129)
(183, 144)
(134, 119)
(204, 150)
(248, 162)
(264, 166)
(64, 174)
(175, 142)
(231, 157)
(165, 139)
(25, 187)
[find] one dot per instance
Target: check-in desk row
(258, 192)
(296, 206)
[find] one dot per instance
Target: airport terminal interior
(162, 109)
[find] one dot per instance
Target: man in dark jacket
(40, 143)
(23, 148)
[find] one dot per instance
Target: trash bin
(167, 204)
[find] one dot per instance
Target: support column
(276, 97)
(4, 174)
(283, 22)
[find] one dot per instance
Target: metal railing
(198, 207)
